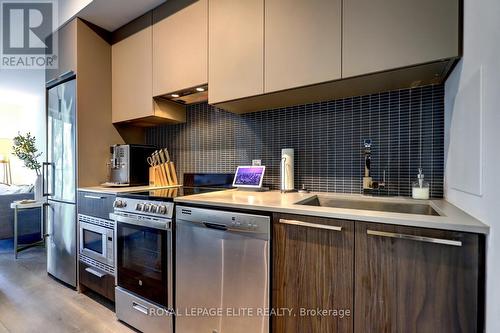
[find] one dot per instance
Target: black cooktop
(194, 183)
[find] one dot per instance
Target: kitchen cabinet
(302, 43)
(66, 51)
(95, 131)
(323, 50)
(391, 278)
(313, 262)
(236, 49)
(380, 35)
(417, 280)
(132, 76)
(132, 81)
(180, 46)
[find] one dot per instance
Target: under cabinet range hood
(189, 96)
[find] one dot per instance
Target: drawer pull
(94, 272)
(140, 308)
(414, 238)
(87, 196)
(311, 225)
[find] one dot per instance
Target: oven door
(144, 255)
(96, 242)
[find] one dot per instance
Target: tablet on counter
(249, 176)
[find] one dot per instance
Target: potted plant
(24, 148)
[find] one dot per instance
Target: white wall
(465, 103)
(22, 109)
(69, 8)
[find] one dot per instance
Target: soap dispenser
(420, 188)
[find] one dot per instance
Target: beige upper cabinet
(380, 35)
(236, 49)
(302, 42)
(180, 46)
(66, 51)
(132, 76)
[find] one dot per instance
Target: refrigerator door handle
(44, 179)
(45, 174)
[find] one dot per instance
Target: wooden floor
(31, 301)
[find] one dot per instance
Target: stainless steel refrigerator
(59, 180)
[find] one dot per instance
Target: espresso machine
(128, 165)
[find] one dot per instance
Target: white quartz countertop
(116, 190)
(451, 217)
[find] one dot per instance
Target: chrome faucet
(368, 184)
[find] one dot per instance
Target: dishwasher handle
(215, 226)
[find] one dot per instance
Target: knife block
(163, 174)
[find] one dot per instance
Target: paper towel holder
(287, 179)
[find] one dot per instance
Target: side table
(24, 205)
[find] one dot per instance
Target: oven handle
(142, 223)
(139, 307)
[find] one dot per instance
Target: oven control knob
(120, 204)
(139, 207)
(146, 208)
(153, 208)
(162, 209)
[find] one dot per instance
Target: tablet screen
(249, 176)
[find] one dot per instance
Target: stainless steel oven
(97, 242)
(144, 264)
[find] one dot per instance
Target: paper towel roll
(287, 176)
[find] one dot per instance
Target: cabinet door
(180, 46)
(132, 76)
(312, 269)
(406, 283)
(236, 49)
(66, 51)
(302, 43)
(385, 34)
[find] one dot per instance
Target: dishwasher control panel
(219, 219)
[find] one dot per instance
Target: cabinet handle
(93, 197)
(414, 238)
(94, 272)
(311, 225)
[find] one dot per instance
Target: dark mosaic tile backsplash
(406, 127)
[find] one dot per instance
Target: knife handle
(173, 173)
(167, 155)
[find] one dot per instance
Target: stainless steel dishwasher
(222, 271)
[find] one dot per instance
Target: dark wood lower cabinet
(417, 280)
(313, 261)
(91, 278)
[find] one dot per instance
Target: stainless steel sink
(381, 206)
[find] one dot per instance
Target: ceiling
(112, 14)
